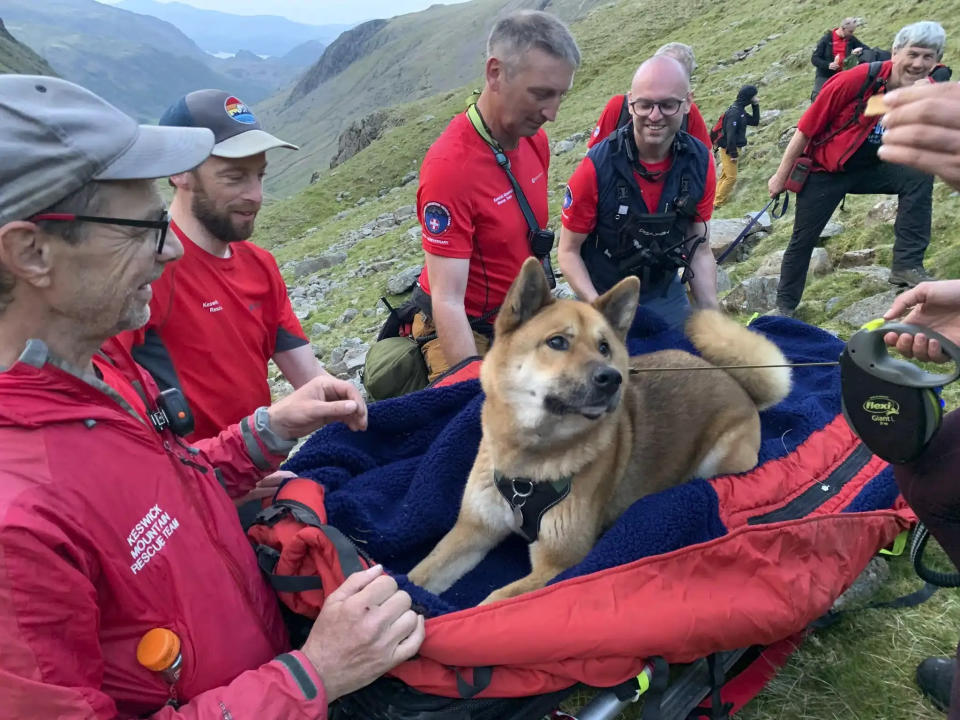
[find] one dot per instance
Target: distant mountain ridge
(382, 63)
(139, 63)
(15, 57)
(225, 32)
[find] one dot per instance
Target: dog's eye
(604, 348)
(558, 342)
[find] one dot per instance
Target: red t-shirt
(219, 320)
(117, 382)
(579, 212)
(611, 114)
(839, 46)
(834, 107)
(467, 208)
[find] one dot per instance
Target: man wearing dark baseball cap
(120, 553)
(223, 314)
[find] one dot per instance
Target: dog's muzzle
(598, 395)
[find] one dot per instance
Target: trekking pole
(776, 213)
(609, 703)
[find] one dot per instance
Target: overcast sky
(316, 12)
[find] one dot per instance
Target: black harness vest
(629, 239)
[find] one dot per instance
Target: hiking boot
(782, 312)
(935, 676)
(909, 277)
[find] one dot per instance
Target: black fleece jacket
(736, 119)
(823, 53)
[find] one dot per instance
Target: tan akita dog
(572, 435)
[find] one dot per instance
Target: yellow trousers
(726, 179)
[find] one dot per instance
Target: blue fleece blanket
(395, 489)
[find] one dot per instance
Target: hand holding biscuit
(923, 129)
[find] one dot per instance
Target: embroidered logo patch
(567, 198)
(238, 111)
(436, 218)
(596, 131)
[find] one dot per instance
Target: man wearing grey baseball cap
(223, 313)
(127, 587)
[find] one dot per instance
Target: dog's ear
(525, 298)
(619, 304)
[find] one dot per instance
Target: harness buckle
(520, 495)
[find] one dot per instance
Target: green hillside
(15, 57)
(614, 39)
(863, 667)
(407, 57)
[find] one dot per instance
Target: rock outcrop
(361, 133)
(349, 47)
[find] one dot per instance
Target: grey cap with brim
(251, 142)
(56, 136)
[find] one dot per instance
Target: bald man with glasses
(639, 203)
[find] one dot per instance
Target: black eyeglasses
(668, 107)
(160, 225)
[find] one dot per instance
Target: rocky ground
(309, 286)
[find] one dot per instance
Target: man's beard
(218, 224)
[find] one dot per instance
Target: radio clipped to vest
(173, 412)
(540, 239)
(893, 405)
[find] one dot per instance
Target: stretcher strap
(481, 680)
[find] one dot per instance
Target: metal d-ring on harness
(530, 499)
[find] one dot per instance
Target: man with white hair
(616, 113)
(639, 202)
(480, 225)
(834, 152)
(112, 530)
(832, 51)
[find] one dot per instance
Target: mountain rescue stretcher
(708, 573)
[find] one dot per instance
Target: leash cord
(777, 208)
(637, 371)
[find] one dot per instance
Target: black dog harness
(530, 499)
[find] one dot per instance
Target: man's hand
(834, 66)
(935, 305)
(857, 51)
(365, 628)
(267, 487)
(323, 400)
(923, 129)
(776, 184)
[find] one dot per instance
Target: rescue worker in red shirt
(110, 525)
(837, 43)
(842, 144)
(616, 113)
(639, 202)
(475, 235)
(222, 313)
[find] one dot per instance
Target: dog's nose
(607, 378)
